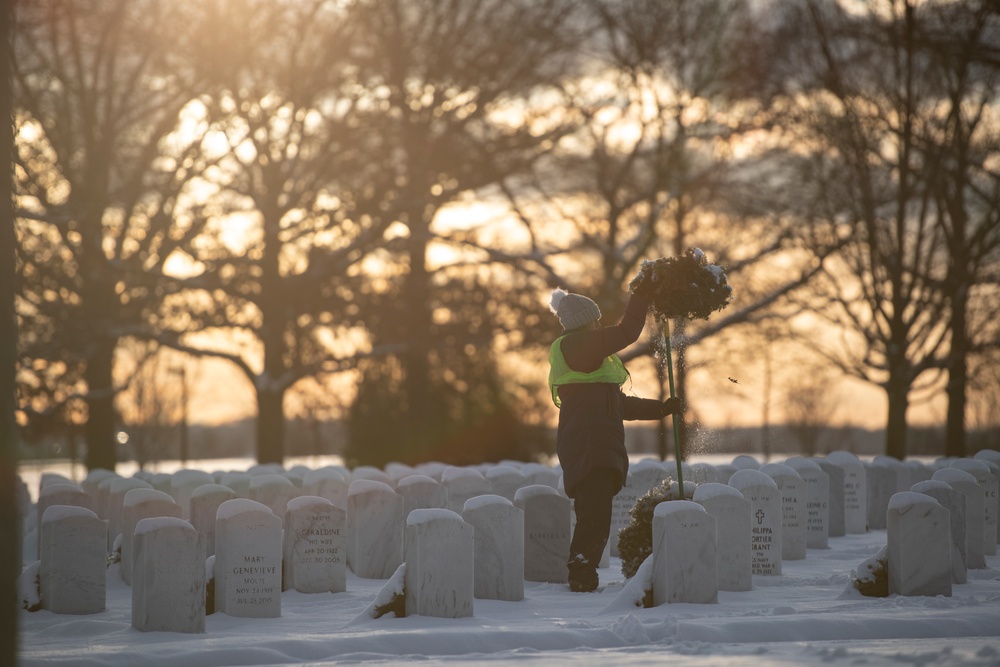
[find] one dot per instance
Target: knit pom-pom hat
(573, 310)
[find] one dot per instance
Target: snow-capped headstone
(883, 478)
(137, 505)
(330, 483)
(60, 493)
(182, 485)
(975, 513)
(238, 481)
(460, 484)
(954, 502)
(73, 553)
(505, 481)
(855, 491)
(116, 499)
(988, 481)
(793, 509)
(273, 490)
(440, 573)
(247, 560)
(373, 474)
(731, 512)
(835, 511)
(204, 504)
(992, 459)
(745, 462)
(420, 492)
(685, 562)
(374, 529)
(918, 533)
(91, 483)
(765, 519)
(817, 501)
(168, 577)
(642, 476)
(499, 547)
(546, 533)
(538, 473)
(315, 546)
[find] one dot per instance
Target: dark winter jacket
(591, 420)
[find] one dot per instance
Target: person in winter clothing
(585, 379)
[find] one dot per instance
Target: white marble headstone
(204, 504)
(685, 561)
(247, 560)
(919, 545)
(538, 473)
(60, 493)
(375, 523)
(73, 570)
(954, 502)
(499, 547)
(505, 481)
(137, 505)
(765, 519)
(273, 490)
(988, 481)
(330, 483)
(440, 574)
(182, 485)
(835, 527)
(546, 533)
(238, 481)
(731, 512)
(817, 501)
(117, 489)
(373, 474)
(975, 513)
(460, 484)
(855, 491)
(793, 509)
(168, 579)
(420, 492)
(315, 553)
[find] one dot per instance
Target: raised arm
(584, 350)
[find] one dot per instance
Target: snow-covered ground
(807, 615)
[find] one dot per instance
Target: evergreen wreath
(635, 541)
(686, 286)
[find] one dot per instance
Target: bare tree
(872, 116)
(661, 165)
(10, 555)
(294, 172)
(100, 91)
(962, 139)
(810, 407)
(464, 89)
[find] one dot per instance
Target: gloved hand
(672, 406)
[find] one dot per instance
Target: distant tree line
(385, 191)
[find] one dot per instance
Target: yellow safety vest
(611, 370)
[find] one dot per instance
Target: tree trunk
(957, 377)
(896, 430)
(416, 296)
(101, 419)
(275, 321)
(10, 550)
(270, 425)
(680, 385)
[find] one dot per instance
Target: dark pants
(592, 502)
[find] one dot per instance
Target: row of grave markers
(489, 530)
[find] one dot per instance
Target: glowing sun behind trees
(686, 286)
